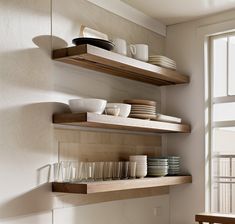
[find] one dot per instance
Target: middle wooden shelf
(121, 123)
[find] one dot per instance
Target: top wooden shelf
(98, 59)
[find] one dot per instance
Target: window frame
(213, 101)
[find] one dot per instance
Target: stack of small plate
(144, 109)
(162, 61)
(174, 165)
(157, 166)
(141, 165)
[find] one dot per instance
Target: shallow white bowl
(125, 109)
(87, 105)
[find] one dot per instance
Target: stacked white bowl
(141, 165)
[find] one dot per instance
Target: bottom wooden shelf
(117, 185)
(215, 218)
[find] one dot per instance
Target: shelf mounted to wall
(119, 123)
(118, 185)
(101, 60)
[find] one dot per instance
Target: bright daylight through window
(222, 117)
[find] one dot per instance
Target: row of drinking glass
(74, 171)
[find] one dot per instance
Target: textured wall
(30, 85)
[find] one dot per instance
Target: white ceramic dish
(125, 109)
(112, 111)
(87, 105)
(141, 174)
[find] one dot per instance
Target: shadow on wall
(37, 199)
(46, 42)
(40, 198)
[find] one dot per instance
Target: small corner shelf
(101, 60)
(118, 185)
(121, 123)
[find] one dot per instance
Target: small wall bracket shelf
(111, 122)
(101, 60)
(118, 185)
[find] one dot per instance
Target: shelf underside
(98, 59)
(121, 123)
(118, 185)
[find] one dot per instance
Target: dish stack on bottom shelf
(162, 61)
(144, 109)
(157, 167)
(174, 165)
(141, 165)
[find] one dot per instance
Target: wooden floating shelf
(118, 185)
(121, 123)
(98, 59)
(215, 218)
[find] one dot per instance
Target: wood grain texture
(215, 218)
(104, 146)
(121, 123)
(108, 186)
(98, 59)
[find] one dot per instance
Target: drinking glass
(74, 168)
(65, 170)
(108, 169)
(82, 172)
(90, 171)
(132, 168)
(57, 172)
(125, 169)
(117, 170)
(99, 171)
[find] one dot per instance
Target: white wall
(31, 82)
(145, 210)
(185, 44)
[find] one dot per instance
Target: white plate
(162, 63)
(161, 57)
(143, 116)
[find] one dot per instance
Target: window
(222, 120)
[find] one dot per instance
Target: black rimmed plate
(105, 44)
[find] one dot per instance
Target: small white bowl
(114, 111)
(125, 109)
(87, 105)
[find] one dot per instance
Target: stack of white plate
(174, 165)
(144, 109)
(141, 164)
(157, 166)
(162, 61)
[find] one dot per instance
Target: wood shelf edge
(111, 122)
(95, 58)
(215, 218)
(119, 185)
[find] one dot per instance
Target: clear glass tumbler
(132, 170)
(90, 171)
(117, 170)
(99, 171)
(65, 170)
(108, 170)
(74, 171)
(125, 170)
(57, 172)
